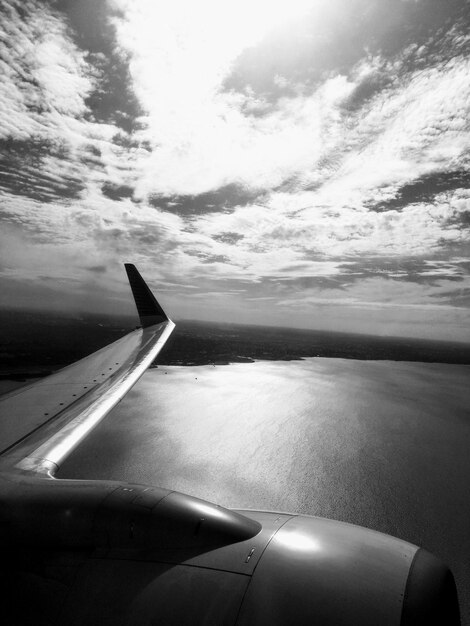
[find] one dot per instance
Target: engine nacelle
(317, 571)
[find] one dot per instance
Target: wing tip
(149, 310)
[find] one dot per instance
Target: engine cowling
(317, 571)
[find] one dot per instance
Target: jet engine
(91, 552)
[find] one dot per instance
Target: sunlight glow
(298, 541)
(235, 24)
(209, 511)
(189, 46)
(180, 53)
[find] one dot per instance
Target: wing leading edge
(40, 424)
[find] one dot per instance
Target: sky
(298, 163)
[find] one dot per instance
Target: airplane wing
(41, 423)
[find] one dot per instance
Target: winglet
(150, 312)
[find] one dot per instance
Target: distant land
(34, 344)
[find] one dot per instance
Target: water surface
(379, 443)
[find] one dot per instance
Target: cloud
(357, 134)
(112, 99)
(116, 192)
(44, 76)
(334, 36)
(98, 269)
(219, 149)
(424, 189)
(221, 199)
